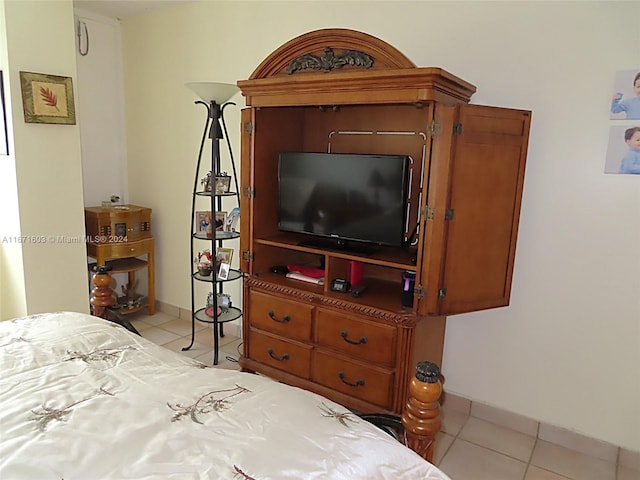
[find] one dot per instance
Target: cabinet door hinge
(247, 256)
(442, 292)
(249, 127)
(420, 292)
(457, 129)
(248, 192)
(435, 128)
(448, 214)
(428, 213)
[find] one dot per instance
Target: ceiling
(120, 9)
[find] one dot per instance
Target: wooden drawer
(367, 383)
(359, 338)
(284, 317)
(278, 353)
(120, 250)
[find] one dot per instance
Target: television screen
(347, 197)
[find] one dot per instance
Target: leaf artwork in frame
(47, 98)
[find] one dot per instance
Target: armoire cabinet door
(246, 186)
(475, 190)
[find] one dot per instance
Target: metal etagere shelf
(215, 98)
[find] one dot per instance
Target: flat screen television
(354, 200)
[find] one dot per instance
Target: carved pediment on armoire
(341, 66)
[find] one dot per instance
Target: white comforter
(82, 398)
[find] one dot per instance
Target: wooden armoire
(344, 91)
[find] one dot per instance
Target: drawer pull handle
(359, 382)
(285, 319)
(280, 359)
(362, 340)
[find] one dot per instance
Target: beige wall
(567, 350)
(44, 176)
(12, 296)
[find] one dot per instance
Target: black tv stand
(335, 245)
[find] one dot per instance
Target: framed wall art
(47, 98)
(623, 148)
(4, 140)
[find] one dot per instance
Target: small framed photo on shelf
(223, 183)
(223, 271)
(203, 220)
(221, 221)
(223, 262)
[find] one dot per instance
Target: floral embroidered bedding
(82, 398)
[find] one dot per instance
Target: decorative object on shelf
(232, 220)
(130, 299)
(222, 303)
(47, 98)
(214, 186)
(204, 263)
(210, 305)
(206, 182)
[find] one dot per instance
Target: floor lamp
(215, 98)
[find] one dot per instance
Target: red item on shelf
(209, 311)
(307, 271)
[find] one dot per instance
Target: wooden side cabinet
(342, 91)
(120, 237)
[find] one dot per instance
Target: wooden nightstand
(118, 237)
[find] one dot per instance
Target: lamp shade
(211, 91)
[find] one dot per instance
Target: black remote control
(357, 291)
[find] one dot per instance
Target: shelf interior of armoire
(386, 129)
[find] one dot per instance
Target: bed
(83, 398)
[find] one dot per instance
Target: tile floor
(469, 447)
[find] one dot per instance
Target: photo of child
(626, 99)
(631, 161)
(623, 153)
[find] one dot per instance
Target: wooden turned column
(420, 417)
(102, 295)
